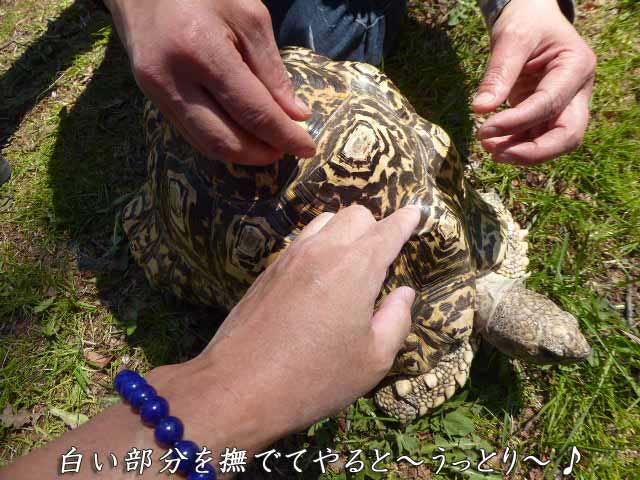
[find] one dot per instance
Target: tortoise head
(524, 324)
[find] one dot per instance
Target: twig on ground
(628, 311)
(6, 44)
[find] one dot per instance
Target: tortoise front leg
(409, 397)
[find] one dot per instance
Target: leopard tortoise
(204, 229)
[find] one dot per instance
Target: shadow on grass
(98, 163)
(427, 70)
(97, 160)
(495, 384)
(34, 74)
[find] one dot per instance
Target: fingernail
(409, 294)
(302, 105)
(413, 206)
(418, 209)
(484, 97)
(489, 145)
(306, 152)
(488, 132)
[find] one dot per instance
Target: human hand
(305, 341)
(214, 70)
(546, 71)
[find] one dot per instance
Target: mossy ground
(73, 307)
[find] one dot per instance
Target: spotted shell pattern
(204, 229)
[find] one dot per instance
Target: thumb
(507, 61)
(262, 55)
(392, 321)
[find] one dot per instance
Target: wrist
(216, 408)
(528, 18)
(494, 10)
(123, 21)
(522, 6)
(114, 6)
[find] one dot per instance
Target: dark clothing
(362, 30)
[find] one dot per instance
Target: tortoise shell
(205, 229)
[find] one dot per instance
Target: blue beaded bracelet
(154, 411)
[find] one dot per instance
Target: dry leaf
(11, 418)
(631, 336)
(97, 359)
(73, 420)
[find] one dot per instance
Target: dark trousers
(362, 30)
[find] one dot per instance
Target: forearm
(115, 6)
(123, 21)
(215, 416)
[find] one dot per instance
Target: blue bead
(131, 385)
(189, 450)
(209, 475)
(138, 397)
(169, 431)
(154, 410)
(122, 377)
